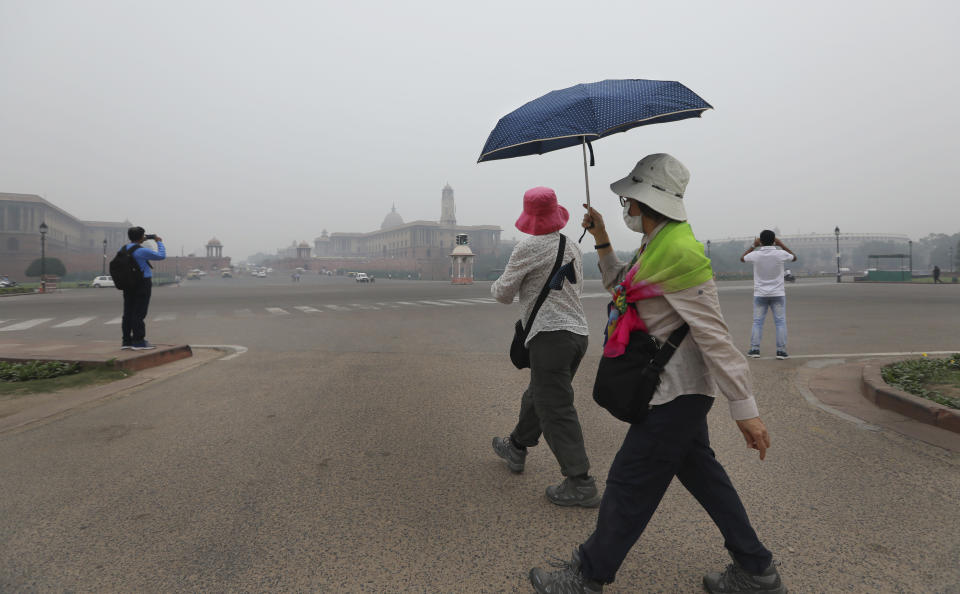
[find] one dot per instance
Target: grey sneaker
(143, 345)
(736, 580)
(782, 355)
(572, 491)
(754, 353)
(568, 580)
(513, 456)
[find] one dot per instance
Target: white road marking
(408, 303)
(26, 324)
(390, 305)
(165, 317)
(307, 309)
(338, 308)
(598, 295)
(236, 349)
(74, 322)
(277, 311)
(113, 321)
(362, 306)
(436, 303)
(457, 302)
(482, 300)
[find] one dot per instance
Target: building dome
(214, 241)
(304, 244)
(393, 219)
(462, 250)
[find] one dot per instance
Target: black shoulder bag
(625, 384)
(519, 353)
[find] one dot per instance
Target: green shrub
(51, 266)
(31, 370)
(915, 375)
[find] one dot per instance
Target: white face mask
(634, 222)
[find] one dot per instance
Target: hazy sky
(265, 122)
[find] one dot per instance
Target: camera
(150, 236)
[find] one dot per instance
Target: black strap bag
(519, 353)
(124, 270)
(625, 384)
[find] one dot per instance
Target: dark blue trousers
(135, 304)
(671, 441)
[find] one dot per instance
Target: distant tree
(52, 266)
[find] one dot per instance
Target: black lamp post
(910, 243)
(104, 271)
(708, 248)
(836, 231)
(43, 256)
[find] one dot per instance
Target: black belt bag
(625, 384)
(519, 353)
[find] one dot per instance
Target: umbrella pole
(586, 176)
(586, 180)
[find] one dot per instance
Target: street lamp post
(43, 256)
(910, 243)
(104, 271)
(836, 231)
(708, 248)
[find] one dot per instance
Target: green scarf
(673, 260)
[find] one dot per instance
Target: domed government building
(421, 246)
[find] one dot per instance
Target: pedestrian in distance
(767, 254)
(669, 282)
(557, 341)
(136, 300)
(936, 275)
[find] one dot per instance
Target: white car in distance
(102, 281)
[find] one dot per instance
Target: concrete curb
(129, 360)
(885, 396)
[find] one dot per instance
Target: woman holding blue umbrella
(669, 284)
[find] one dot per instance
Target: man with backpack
(132, 273)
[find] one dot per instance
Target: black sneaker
(782, 355)
(574, 491)
(126, 346)
(754, 353)
(143, 345)
(568, 580)
(736, 580)
(512, 455)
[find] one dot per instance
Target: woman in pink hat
(557, 341)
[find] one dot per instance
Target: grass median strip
(934, 379)
(35, 377)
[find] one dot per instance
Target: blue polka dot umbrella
(583, 113)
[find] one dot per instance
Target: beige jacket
(707, 361)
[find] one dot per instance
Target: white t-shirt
(768, 270)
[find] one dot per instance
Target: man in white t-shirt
(767, 254)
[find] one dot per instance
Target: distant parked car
(362, 277)
(102, 281)
(5, 281)
(193, 275)
(226, 274)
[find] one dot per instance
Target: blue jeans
(779, 307)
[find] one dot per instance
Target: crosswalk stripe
(307, 309)
(338, 308)
(165, 317)
(113, 321)
(362, 306)
(390, 305)
(436, 303)
(277, 311)
(25, 324)
(481, 300)
(74, 322)
(408, 303)
(458, 301)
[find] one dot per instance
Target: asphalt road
(348, 450)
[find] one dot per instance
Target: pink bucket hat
(541, 213)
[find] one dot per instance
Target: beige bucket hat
(658, 181)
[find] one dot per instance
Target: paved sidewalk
(97, 352)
